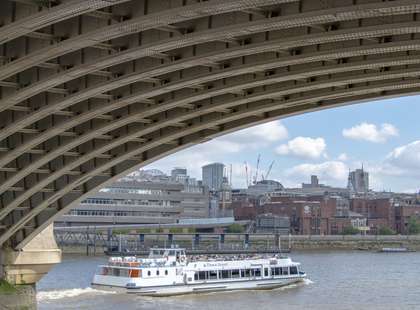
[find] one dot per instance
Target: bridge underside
(90, 90)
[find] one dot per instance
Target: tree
(235, 228)
(350, 230)
(413, 226)
(384, 230)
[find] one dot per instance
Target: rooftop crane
(246, 173)
(269, 170)
(256, 172)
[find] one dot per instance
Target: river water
(336, 280)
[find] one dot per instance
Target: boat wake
(308, 281)
(69, 293)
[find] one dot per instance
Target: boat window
(293, 270)
(105, 271)
(171, 253)
(135, 273)
(201, 275)
(166, 272)
(196, 276)
(257, 272)
(235, 273)
(148, 273)
(284, 271)
(157, 272)
(124, 272)
(115, 272)
(275, 271)
(247, 272)
(212, 274)
(242, 273)
(225, 274)
(265, 272)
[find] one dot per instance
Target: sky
(382, 135)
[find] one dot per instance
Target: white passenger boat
(169, 272)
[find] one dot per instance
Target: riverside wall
(255, 241)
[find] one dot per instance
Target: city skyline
(382, 135)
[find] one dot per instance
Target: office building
(212, 176)
(142, 198)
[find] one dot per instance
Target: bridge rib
(135, 25)
(184, 79)
(258, 109)
(211, 108)
(150, 111)
(394, 61)
(53, 15)
(283, 22)
(71, 100)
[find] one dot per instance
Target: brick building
(403, 213)
(378, 211)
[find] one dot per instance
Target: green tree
(235, 228)
(413, 226)
(350, 230)
(384, 230)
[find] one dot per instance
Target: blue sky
(383, 135)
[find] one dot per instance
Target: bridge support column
(20, 270)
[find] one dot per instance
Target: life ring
(182, 259)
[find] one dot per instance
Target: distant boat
(395, 250)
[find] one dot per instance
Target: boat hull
(183, 289)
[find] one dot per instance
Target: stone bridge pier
(21, 270)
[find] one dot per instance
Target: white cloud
(329, 172)
(305, 147)
(343, 157)
(371, 132)
(268, 132)
(403, 160)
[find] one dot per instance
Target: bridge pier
(20, 270)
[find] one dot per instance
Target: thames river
(336, 280)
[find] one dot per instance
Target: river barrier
(99, 242)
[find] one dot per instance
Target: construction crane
(269, 170)
(256, 172)
(246, 173)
